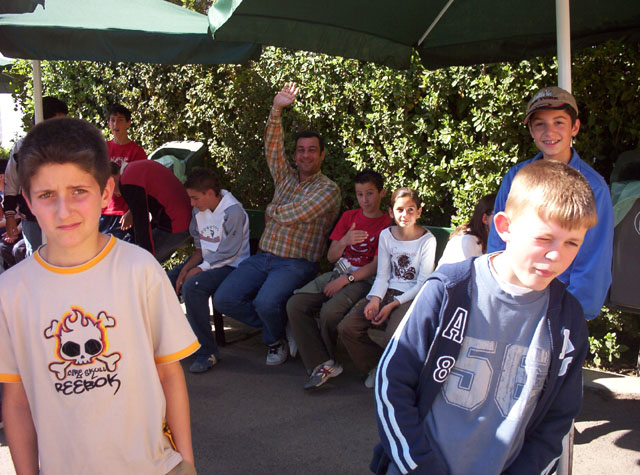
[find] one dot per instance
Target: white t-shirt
(460, 248)
(84, 341)
(403, 265)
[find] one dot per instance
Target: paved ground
(249, 418)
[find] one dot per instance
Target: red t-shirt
(122, 154)
(363, 253)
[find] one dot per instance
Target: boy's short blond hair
(556, 191)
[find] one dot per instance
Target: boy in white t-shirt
(89, 358)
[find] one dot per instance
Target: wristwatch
(350, 277)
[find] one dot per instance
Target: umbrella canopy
(145, 31)
(461, 32)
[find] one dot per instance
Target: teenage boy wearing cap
(552, 118)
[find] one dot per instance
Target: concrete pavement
(251, 418)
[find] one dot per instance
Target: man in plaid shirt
(298, 220)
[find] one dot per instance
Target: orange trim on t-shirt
(178, 355)
(10, 378)
(82, 267)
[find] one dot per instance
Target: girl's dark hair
(64, 140)
(475, 226)
(405, 191)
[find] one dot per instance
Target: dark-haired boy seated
(316, 309)
(220, 230)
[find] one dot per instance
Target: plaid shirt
(301, 213)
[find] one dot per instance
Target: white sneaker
(277, 353)
(370, 382)
(293, 346)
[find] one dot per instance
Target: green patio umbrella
(18, 6)
(146, 31)
(445, 33)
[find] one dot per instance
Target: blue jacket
(422, 352)
(589, 276)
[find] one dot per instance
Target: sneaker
(322, 374)
(202, 364)
(293, 346)
(370, 382)
(277, 353)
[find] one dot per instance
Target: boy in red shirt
(354, 249)
(115, 218)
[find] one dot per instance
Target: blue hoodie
(589, 276)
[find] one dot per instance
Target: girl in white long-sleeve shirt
(406, 254)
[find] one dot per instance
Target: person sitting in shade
(298, 221)
(220, 230)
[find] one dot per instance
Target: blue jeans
(256, 293)
(32, 235)
(196, 293)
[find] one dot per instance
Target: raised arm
(273, 136)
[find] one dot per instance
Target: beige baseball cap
(550, 98)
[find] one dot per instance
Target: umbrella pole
(37, 90)
(563, 39)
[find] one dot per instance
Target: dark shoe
(202, 364)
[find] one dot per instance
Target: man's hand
(12, 227)
(126, 221)
(354, 236)
(335, 286)
(185, 276)
(286, 96)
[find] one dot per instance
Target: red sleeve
(342, 226)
